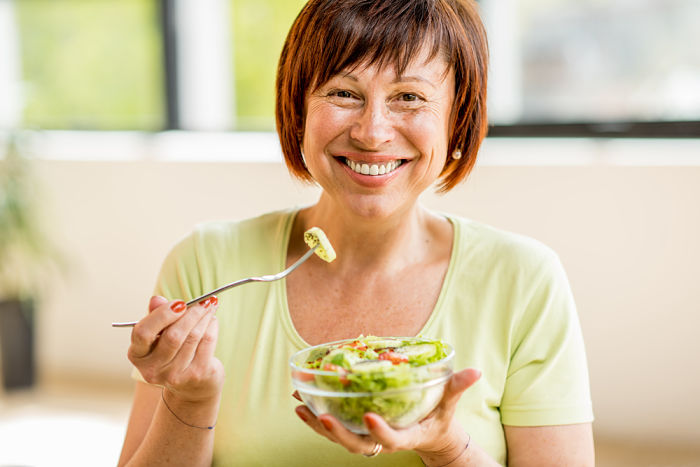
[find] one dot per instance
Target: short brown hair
(330, 36)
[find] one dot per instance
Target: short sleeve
(547, 379)
(175, 279)
(180, 274)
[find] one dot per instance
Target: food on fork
(315, 236)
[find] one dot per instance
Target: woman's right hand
(173, 346)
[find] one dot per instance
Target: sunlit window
(594, 61)
(101, 64)
(93, 64)
(259, 30)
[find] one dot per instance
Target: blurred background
(125, 122)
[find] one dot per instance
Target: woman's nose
(373, 126)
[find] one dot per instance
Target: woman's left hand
(435, 438)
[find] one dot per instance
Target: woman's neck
(394, 242)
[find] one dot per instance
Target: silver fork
(267, 278)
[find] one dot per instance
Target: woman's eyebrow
(413, 79)
(398, 79)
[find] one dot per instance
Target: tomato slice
(337, 369)
(393, 357)
(357, 345)
(303, 376)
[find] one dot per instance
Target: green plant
(27, 257)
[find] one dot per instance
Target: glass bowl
(401, 394)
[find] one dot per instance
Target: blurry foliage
(91, 64)
(259, 30)
(27, 256)
(97, 64)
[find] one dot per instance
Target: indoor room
(126, 123)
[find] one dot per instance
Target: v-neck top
(286, 316)
(505, 306)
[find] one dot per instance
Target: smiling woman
(377, 102)
(461, 46)
(371, 119)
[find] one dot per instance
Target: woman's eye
(409, 97)
(344, 94)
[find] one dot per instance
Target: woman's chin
(375, 207)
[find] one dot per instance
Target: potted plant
(26, 257)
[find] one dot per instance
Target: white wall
(623, 216)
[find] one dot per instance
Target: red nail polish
(178, 306)
(213, 301)
(371, 424)
(327, 424)
(303, 417)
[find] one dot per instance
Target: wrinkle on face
(369, 111)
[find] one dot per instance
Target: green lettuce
(389, 391)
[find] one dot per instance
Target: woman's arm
(542, 446)
(536, 446)
(155, 437)
(174, 349)
(438, 439)
(146, 399)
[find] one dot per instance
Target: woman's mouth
(374, 169)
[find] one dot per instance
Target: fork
(266, 278)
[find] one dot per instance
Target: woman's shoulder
(256, 226)
(222, 238)
(213, 253)
(497, 248)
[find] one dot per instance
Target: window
(558, 67)
(93, 65)
(224, 54)
(259, 30)
(596, 66)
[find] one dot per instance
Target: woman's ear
(301, 150)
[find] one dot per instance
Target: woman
(378, 100)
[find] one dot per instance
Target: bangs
(330, 37)
(371, 33)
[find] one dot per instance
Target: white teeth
(373, 169)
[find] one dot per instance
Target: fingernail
(296, 395)
(213, 301)
(302, 416)
(371, 424)
(327, 424)
(205, 303)
(178, 306)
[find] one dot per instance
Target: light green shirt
(505, 306)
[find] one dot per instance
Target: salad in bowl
(401, 379)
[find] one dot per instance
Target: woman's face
(374, 141)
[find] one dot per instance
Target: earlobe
(300, 142)
(303, 160)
